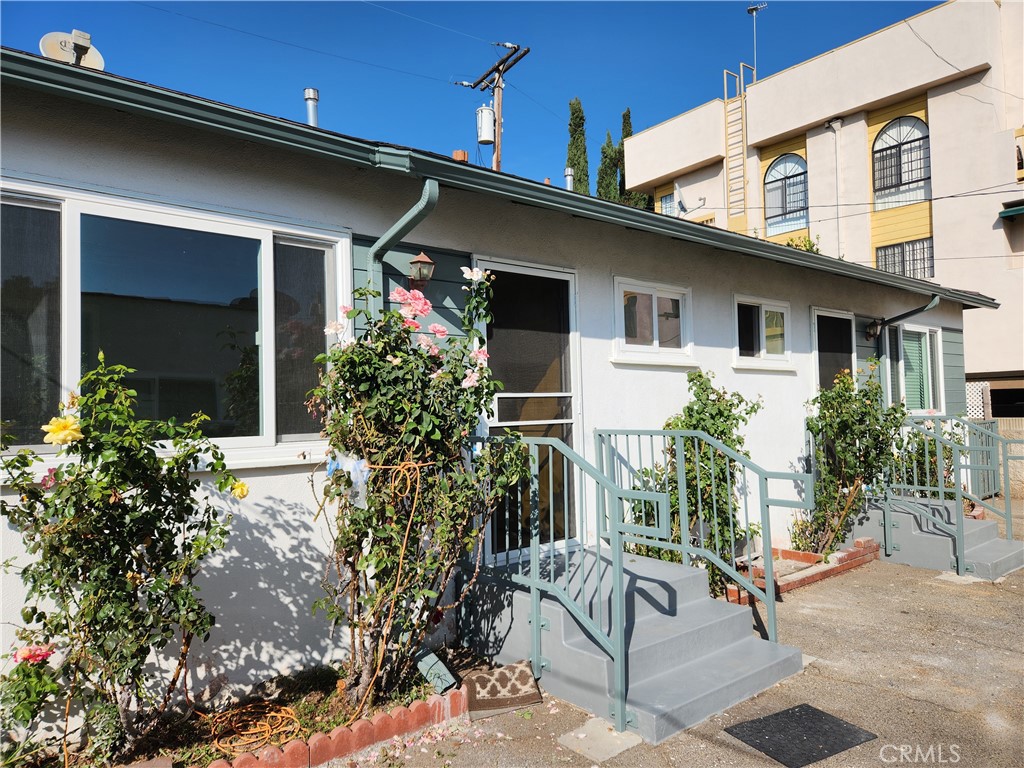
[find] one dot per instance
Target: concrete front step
(689, 656)
(919, 542)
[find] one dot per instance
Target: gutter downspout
(398, 230)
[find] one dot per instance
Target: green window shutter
(915, 371)
(895, 391)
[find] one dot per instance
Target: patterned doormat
(502, 690)
(800, 735)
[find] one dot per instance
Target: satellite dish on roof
(73, 47)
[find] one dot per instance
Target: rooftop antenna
(753, 9)
(73, 47)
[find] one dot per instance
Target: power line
(539, 104)
(294, 45)
(425, 21)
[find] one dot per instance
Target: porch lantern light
(421, 269)
(874, 330)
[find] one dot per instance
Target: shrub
(400, 408)
(117, 532)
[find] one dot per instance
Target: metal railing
(553, 516)
(724, 498)
(953, 462)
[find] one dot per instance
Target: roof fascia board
(84, 84)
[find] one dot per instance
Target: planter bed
(321, 748)
(797, 569)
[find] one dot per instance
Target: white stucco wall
(262, 588)
(678, 145)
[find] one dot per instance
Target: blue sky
(384, 70)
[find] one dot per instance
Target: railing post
(1004, 468)
(535, 622)
(769, 562)
(618, 633)
(600, 442)
(961, 563)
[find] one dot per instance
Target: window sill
(755, 364)
(655, 361)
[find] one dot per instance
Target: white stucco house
(183, 236)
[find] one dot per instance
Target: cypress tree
(635, 199)
(576, 157)
(608, 171)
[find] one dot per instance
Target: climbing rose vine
(409, 491)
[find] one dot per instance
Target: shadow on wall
(261, 589)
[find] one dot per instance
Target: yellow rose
(239, 489)
(62, 430)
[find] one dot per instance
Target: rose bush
(407, 503)
(116, 531)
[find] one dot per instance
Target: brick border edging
(363, 733)
(863, 551)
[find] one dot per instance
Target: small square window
(652, 322)
(761, 330)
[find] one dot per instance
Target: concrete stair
(690, 656)
(923, 544)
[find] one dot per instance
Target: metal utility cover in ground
(800, 735)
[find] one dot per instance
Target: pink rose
(479, 356)
(438, 330)
(471, 380)
(411, 324)
(399, 296)
(424, 342)
(49, 479)
(33, 654)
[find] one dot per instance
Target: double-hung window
(915, 367)
(785, 195)
(652, 322)
(901, 163)
(762, 336)
(213, 314)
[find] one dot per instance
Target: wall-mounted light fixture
(421, 269)
(874, 330)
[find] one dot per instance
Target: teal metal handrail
(562, 488)
(645, 459)
(942, 458)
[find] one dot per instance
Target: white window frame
(642, 354)
(816, 312)
(782, 169)
(261, 450)
(763, 360)
(936, 371)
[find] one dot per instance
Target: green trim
(29, 71)
(1011, 213)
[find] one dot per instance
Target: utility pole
(493, 80)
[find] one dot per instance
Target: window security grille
(785, 196)
(915, 258)
(906, 163)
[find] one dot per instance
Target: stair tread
(695, 679)
(654, 629)
(994, 549)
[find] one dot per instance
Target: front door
(530, 342)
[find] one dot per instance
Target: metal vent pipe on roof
(312, 96)
(569, 178)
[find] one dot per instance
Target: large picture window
(652, 322)
(215, 315)
(785, 195)
(901, 163)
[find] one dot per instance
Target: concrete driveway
(930, 662)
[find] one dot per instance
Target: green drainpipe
(401, 228)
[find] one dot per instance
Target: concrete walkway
(929, 662)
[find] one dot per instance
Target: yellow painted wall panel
(796, 146)
(660, 192)
(898, 225)
(796, 234)
(878, 119)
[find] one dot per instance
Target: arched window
(901, 163)
(785, 195)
